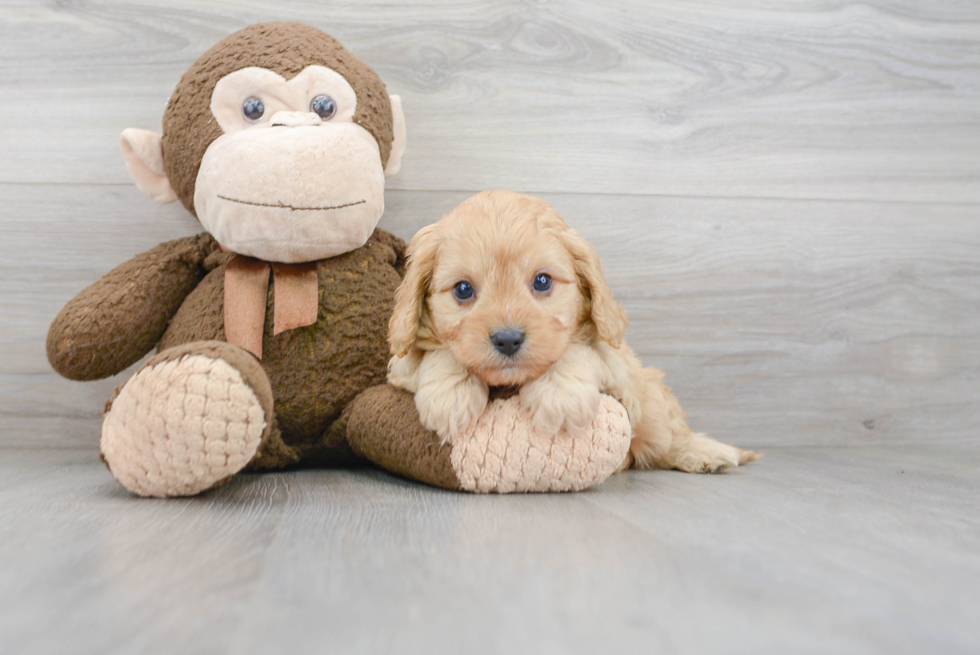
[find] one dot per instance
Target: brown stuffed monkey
(270, 324)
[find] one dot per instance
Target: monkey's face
(292, 178)
(279, 140)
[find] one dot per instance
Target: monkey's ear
(398, 143)
(143, 152)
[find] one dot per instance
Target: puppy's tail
(746, 456)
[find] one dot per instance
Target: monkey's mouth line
(279, 205)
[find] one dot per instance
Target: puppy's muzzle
(507, 342)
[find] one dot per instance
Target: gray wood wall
(785, 195)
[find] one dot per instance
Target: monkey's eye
(542, 283)
(253, 108)
(463, 291)
(323, 106)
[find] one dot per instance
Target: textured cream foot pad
(179, 427)
(502, 454)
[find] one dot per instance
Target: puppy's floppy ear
(607, 314)
(410, 297)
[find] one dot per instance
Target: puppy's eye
(463, 290)
(253, 108)
(542, 282)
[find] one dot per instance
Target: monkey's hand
(449, 398)
(567, 394)
(114, 322)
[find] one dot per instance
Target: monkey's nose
(507, 341)
(294, 119)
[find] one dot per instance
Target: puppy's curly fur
(530, 275)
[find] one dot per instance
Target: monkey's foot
(191, 418)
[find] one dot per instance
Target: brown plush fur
(383, 426)
(314, 371)
(285, 48)
(111, 324)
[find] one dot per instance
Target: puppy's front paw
(554, 403)
(449, 399)
(453, 409)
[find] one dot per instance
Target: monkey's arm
(397, 245)
(120, 318)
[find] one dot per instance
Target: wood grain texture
(822, 99)
(830, 550)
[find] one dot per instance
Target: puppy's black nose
(507, 341)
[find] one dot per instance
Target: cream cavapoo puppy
(502, 293)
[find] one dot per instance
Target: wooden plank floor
(787, 200)
(812, 550)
